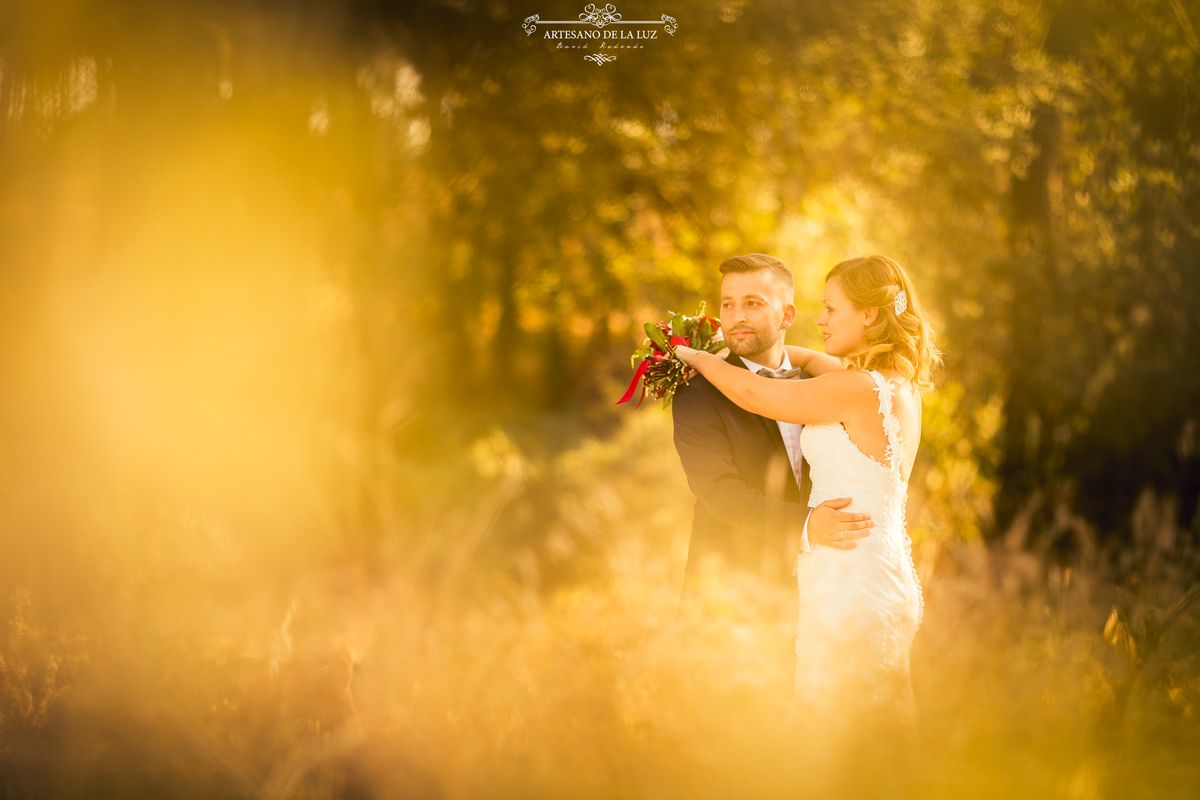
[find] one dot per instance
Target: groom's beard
(750, 346)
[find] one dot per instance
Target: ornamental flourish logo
(576, 35)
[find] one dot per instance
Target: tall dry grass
(531, 647)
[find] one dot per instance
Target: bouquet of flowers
(656, 364)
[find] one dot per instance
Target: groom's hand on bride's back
(830, 527)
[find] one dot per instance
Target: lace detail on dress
(891, 425)
(913, 565)
(859, 607)
(896, 455)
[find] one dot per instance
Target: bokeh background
(312, 317)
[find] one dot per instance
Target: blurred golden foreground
(202, 670)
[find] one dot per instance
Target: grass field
(469, 662)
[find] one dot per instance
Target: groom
(748, 472)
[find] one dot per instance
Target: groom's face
(754, 312)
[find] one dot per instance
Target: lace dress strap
(891, 424)
(895, 454)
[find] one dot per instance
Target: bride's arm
(811, 361)
(833, 397)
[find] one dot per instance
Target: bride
(859, 606)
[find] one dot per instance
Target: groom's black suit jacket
(747, 500)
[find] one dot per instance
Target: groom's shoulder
(696, 386)
(697, 396)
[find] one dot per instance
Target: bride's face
(842, 325)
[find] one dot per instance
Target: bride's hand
(686, 354)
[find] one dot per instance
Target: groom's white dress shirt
(791, 438)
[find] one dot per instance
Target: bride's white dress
(859, 608)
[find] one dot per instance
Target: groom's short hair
(780, 274)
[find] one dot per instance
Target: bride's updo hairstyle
(903, 342)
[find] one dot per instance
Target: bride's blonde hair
(903, 342)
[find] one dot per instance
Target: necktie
(792, 374)
(787, 374)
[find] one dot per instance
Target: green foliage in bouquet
(655, 362)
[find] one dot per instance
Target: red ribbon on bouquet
(642, 367)
(637, 376)
(655, 364)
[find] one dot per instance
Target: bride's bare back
(862, 422)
